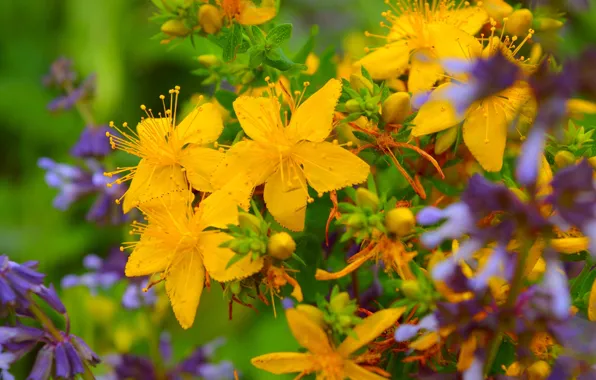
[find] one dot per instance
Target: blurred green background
(113, 39)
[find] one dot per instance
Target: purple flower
(92, 142)
(17, 281)
(74, 95)
(43, 364)
(50, 296)
(60, 73)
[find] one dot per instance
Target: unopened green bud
(519, 22)
(400, 221)
(243, 248)
(281, 246)
(411, 289)
(592, 161)
(396, 108)
(445, 140)
(235, 287)
(353, 105)
(359, 82)
(175, 28)
(257, 246)
(564, 158)
(246, 220)
(545, 24)
(208, 60)
(371, 105)
(339, 302)
(344, 321)
(355, 221)
(312, 313)
(366, 198)
(210, 18)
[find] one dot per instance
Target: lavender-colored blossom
(43, 364)
(92, 142)
(17, 281)
(49, 295)
(60, 73)
(74, 95)
(406, 331)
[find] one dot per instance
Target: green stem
(87, 374)
(83, 108)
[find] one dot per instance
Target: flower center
(331, 366)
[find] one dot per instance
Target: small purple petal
(92, 262)
(62, 362)
(221, 371)
(43, 364)
(430, 215)
(529, 159)
(85, 351)
(406, 332)
(51, 297)
(76, 364)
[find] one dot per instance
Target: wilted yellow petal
(330, 167)
(387, 62)
(313, 120)
(370, 328)
(285, 362)
(216, 259)
(355, 372)
(259, 117)
(202, 126)
(570, 245)
(185, 279)
(308, 334)
(200, 164)
(286, 196)
(485, 135)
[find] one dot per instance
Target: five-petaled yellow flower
(172, 156)
(486, 121)
(419, 33)
(287, 156)
(245, 12)
(328, 362)
(178, 242)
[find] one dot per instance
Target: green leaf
(234, 260)
(308, 47)
(257, 55)
(277, 59)
(234, 39)
(258, 35)
(225, 98)
(444, 187)
(279, 34)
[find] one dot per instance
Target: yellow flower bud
(592, 161)
(312, 313)
(396, 108)
(445, 139)
(210, 18)
(208, 60)
(400, 221)
(538, 371)
(564, 158)
(410, 289)
(365, 198)
(359, 82)
(536, 53)
(519, 22)
(515, 369)
(497, 9)
(339, 302)
(175, 28)
(281, 246)
(545, 24)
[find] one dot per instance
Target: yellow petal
(286, 196)
(216, 259)
(469, 19)
(451, 42)
(534, 255)
(580, 106)
(285, 362)
(202, 126)
(485, 135)
(424, 71)
(545, 176)
(218, 210)
(355, 372)
(570, 245)
(151, 182)
(592, 303)
(425, 342)
(250, 14)
(313, 120)
(387, 62)
(466, 354)
(308, 334)
(185, 279)
(200, 164)
(153, 130)
(330, 167)
(436, 114)
(259, 117)
(370, 328)
(149, 256)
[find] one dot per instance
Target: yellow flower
(178, 243)
(245, 12)
(485, 121)
(171, 155)
(328, 362)
(420, 32)
(286, 156)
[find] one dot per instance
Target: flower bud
(339, 302)
(312, 313)
(366, 198)
(353, 105)
(175, 28)
(281, 246)
(396, 108)
(497, 9)
(355, 221)
(410, 289)
(208, 60)
(519, 22)
(545, 24)
(235, 287)
(359, 82)
(538, 371)
(564, 158)
(210, 18)
(246, 220)
(592, 161)
(445, 139)
(344, 321)
(536, 54)
(400, 221)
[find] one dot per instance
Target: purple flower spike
(51, 297)
(62, 363)
(60, 73)
(17, 281)
(92, 143)
(85, 351)
(76, 364)
(43, 364)
(221, 371)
